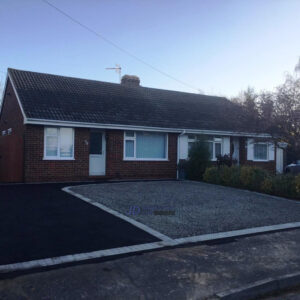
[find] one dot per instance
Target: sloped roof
(53, 97)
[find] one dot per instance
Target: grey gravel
(200, 208)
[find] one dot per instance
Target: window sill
(58, 158)
(261, 160)
(213, 159)
(145, 159)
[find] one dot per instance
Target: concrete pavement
(191, 272)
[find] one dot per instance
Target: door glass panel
(96, 143)
(130, 133)
(218, 149)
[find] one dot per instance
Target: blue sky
(218, 46)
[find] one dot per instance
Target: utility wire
(117, 46)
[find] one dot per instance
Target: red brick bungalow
(55, 128)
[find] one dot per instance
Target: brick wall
(11, 146)
(39, 170)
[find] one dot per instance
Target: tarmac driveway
(199, 208)
(42, 221)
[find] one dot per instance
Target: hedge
(255, 179)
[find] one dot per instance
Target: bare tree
(277, 113)
(287, 114)
(297, 68)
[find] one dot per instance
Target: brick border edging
(59, 260)
(261, 288)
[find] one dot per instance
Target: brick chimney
(130, 80)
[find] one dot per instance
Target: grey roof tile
(53, 97)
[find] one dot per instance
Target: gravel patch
(199, 208)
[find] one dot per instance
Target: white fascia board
(142, 128)
(18, 98)
(228, 133)
(3, 94)
(99, 126)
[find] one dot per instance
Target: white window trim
(134, 158)
(257, 159)
(58, 150)
(214, 141)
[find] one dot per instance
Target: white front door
(279, 160)
(236, 150)
(97, 153)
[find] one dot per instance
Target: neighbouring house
(56, 128)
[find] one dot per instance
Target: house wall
(183, 146)
(11, 146)
(118, 168)
(267, 165)
(240, 144)
(39, 170)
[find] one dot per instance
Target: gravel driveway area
(199, 208)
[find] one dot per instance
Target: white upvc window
(260, 152)
(58, 143)
(144, 145)
(214, 145)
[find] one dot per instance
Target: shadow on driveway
(41, 221)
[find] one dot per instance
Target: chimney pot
(130, 80)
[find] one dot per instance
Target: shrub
(234, 173)
(225, 160)
(223, 175)
(281, 185)
(255, 179)
(212, 175)
(267, 185)
(199, 160)
(252, 177)
(284, 185)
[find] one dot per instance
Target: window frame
(58, 157)
(259, 159)
(133, 138)
(214, 140)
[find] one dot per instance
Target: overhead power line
(118, 47)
